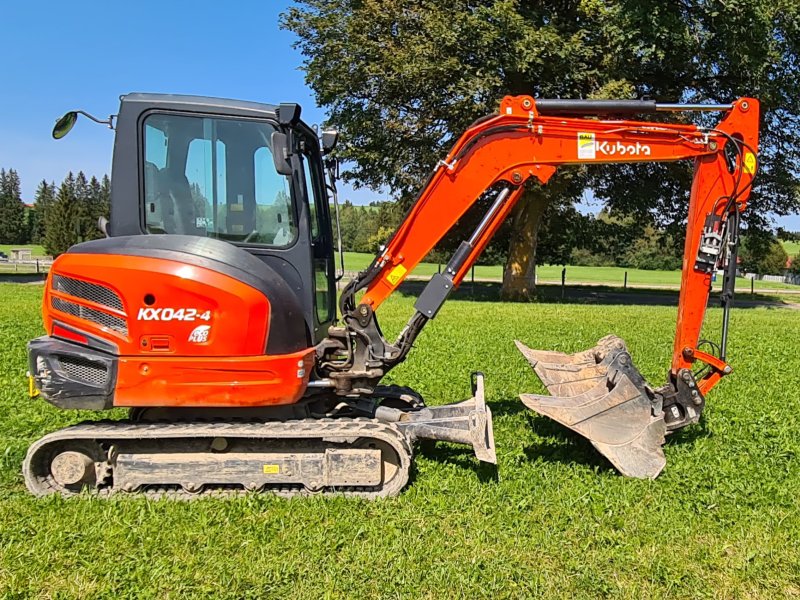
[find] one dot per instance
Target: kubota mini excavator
(209, 309)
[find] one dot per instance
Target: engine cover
(185, 321)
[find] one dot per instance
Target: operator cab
(206, 167)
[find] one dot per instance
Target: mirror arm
(109, 121)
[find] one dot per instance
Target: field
(792, 248)
(36, 251)
(723, 520)
(615, 276)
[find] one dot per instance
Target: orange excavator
(209, 309)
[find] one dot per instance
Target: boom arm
(504, 152)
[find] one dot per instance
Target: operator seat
(174, 187)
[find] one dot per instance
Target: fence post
(37, 266)
(752, 286)
(563, 281)
(473, 281)
(439, 266)
(625, 285)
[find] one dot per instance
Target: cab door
(323, 263)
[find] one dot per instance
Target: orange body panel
(186, 335)
(238, 314)
(236, 381)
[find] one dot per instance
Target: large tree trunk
(519, 275)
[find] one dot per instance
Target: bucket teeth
(599, 394)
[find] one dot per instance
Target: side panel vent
(92, 292)
(90, 314)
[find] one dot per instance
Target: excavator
(209, 309)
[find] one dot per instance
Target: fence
(40, 265)
(788, 278)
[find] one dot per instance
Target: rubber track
(107, 432)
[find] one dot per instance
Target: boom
(526, 142)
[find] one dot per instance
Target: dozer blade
(468, 422)
(600, 394)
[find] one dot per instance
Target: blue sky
(59, 56)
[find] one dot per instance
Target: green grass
(722, 521)
(36, 251)
(354, 261)
(792, 248)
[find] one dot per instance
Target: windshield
(215, 177)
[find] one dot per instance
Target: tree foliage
(763, 254)
(13, 225)
(402, 79)
(72, 216)
(45, 196)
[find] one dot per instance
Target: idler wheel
(71, 469)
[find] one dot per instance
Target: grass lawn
(36, 251)
(722, 521)
(354, 261)
(792, 248)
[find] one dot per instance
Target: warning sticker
(586, 147)
(749, 163)
(396, 274)
(272, 469)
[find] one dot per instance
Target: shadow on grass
(462, 457)
(554, 443)
(589, 294)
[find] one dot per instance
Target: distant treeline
(60, 216)
(568, 237)
(788, 236)
(66, 214)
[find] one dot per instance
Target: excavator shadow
(589, 294)
(555, 443)
(463, 458)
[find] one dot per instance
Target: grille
(93, 292)
(90, 314)
(84, 370)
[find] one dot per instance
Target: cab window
(215, 177)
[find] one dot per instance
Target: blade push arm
(500, 154)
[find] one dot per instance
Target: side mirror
(280, 153)
(329, 139)
(64, 124)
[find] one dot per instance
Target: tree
(62, 225)
(763, 254)
(401, 79)
(97, 205)
(794, 266)
(44, 198)
(13, 225)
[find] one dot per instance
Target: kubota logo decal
(200, 334)
(589, 148)
(172, 314)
